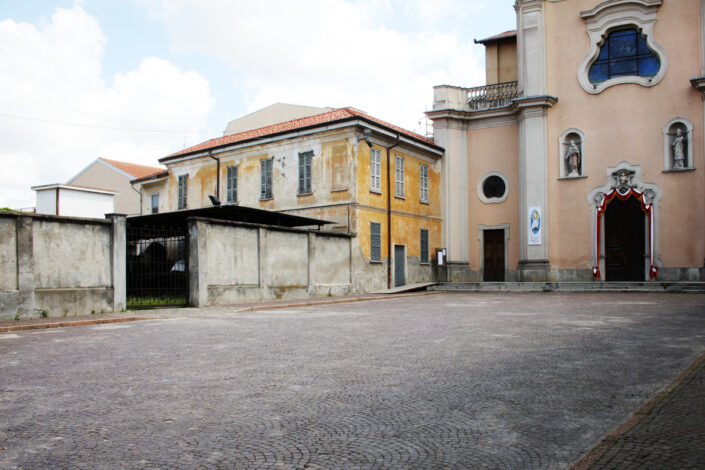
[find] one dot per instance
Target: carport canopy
(230, 212)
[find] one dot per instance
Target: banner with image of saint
(535, 225)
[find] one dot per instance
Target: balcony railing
(492, 96)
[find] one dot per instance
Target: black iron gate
(157, 265)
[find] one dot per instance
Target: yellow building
(368, 177)
(582, 157)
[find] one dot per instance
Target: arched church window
(624, 53)
(623, 48)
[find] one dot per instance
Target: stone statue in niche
(678, 145)
(572, 158)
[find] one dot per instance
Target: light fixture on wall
(367, 137)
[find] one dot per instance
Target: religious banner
(535, 222)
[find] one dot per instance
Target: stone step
(675, 287)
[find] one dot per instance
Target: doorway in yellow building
(625, 240)
(493, 248)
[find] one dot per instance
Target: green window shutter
(375, 242)
(424, 246)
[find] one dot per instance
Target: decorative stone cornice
(543, 101)
(698, 83)
(500, 116)
(619, 3)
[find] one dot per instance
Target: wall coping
(57, 218)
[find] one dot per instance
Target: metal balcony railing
(492, 96)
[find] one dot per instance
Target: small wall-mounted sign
(441, 256)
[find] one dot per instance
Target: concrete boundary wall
(231, 262)
(61, 266)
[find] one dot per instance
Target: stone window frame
(305, 186)
(182, 192)
(231, 174)
(423, 247)
(399, 177)
(375, 170)
(266, 167)
(667, 160)
(423, 183)
(613, 15)
(562, 145)
(375, 242)
(492, 200)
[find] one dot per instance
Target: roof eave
(242, 143)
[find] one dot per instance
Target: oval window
(493, 187)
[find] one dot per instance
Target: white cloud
(329, 52)
(53, 74)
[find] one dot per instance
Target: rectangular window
(266, 178)
(424, 246)
(183, 192)
(305, 172)
(231, 180)
(155, 203)
(423, 183)
(399, 179)
(375, 242)
(375, 170)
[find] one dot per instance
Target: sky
(136, 80)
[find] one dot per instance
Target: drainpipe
(389, 214)
(217, 175)
(57, 199)
(138, 192)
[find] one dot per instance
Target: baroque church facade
(582, 157)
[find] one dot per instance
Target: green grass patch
(142, 302)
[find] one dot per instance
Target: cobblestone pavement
(672, 435)
(515, 381)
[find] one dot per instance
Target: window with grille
(375, 242)
(266, 178)
(231, 184)
(399, 179)
(424, 246)
(305, 172)
(183, 192)
(375, 170)
(423, 183)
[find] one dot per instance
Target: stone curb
(42, 326)
(597, 452)
(253, 308)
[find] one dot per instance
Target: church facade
(582, 157)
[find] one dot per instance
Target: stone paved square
(496, 381)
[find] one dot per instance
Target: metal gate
(157, 266)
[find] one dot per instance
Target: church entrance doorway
(625, 245)
(493, 256)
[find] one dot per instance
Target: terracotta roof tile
(318, 119)
(497, 37)
(137, 171)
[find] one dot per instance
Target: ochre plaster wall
(624, 122)
(409, 214)
(493, 149)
